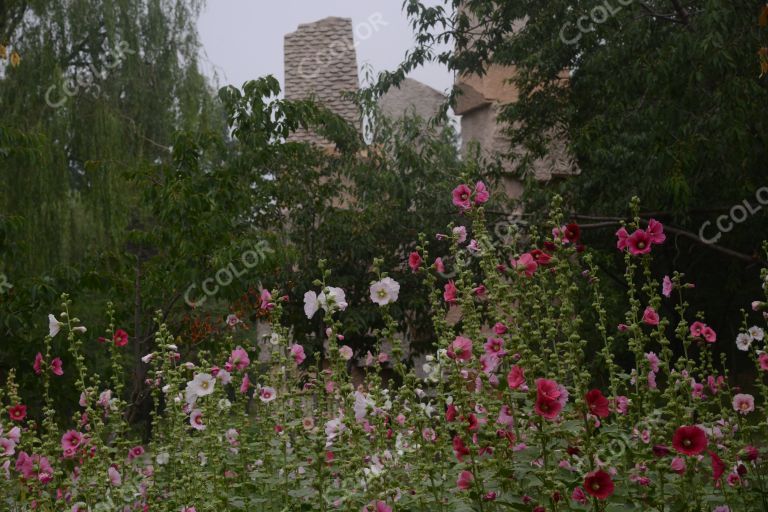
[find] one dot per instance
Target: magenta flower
(525, 264)
(653, 361)
(239, 358)
(655, 230)
(461, 197)
(449, 293)
(414, 261)
(465, 480)
(70, 442)
(460, 349)
(700, 330)
(297, 352)
(639, 242)
(515, 377)
(37, 366)
(622, 239)
(481, 193)
(56, 367)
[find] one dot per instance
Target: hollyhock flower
(232, 320)
(525, 264)
(223, 375)
(743, 403)
(461, 197)
(196, 419)
(597, 403)
(540, 257)
(114, 477)
(650, 316)
(505, 416)
(547, 408)
(743, 341)
(494, 346)
(622, 239)
(201, 385)
(266, 300)
(762, 360)
(245, 384)
(653, 361)
(697, 389)
(439, 266)
(53, 326)
(652, 380)
(639, 242)
(460, 349)
(449, 293)
(135, 452)
(481, 193)
(499, 328)
(621, 403)
(718, 466)
(239, 359)
(414, 261)
(17, 412)
(460, 232)
(56, 367)
(346, 352)
(297, 352)
(489, 363)
(700, 330)
(571, 233)
(465, 480)
(750, 453)
(385, 291)
(120, 338)
(70, 442)
(267, 394)
(659, 450)
(689, 440)
(666, 287)
(756, 333)
(547, 389)
(7, 447)
(311, 304)
(599, 484)
(460, 449)
(715, 383)
(579, 496)
(37, 366)
(376, 506)
(655, 231)
(450, 413)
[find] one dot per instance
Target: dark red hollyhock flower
(549, 247)
(450, 413)
(460, 450)
(718, 466)
(751, 453)
(473, 424)
(741, 469)
(599, 484)
(689, 440)
(540, 257)
(120, 338)
(17, 412)
(597, 403)
(573, 232)
(660, 450)
(573, 450)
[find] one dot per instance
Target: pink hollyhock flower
(17, 412)
(37, 366)
(460, 232)
(481, 193)
(120, 338)
(579, 496)
(622, 239)
(346, 352)
(494, 346)
(701, 330)
(622, 327)
(743, 403)
(622, 404)
(697, 389)
(651, 380)
(460, 349)
(550, 398)
(515, 377)
(639, 242)
(762, 360)
(377, 506)
(525, 264)
(499, 328)
(465, 480)
(439, 266)
(428, 434)
(7, 447)
(297, 352)
(414, 261)
(114, 477)
(70, 442)
(715, 384)
(266, 300)
(666, 286)
(245, 384)
(239, 359)
(653, 361)
(196, 419)
(449, 295)
(489, 362)
(135, 452)
(505, 416)
(655, 231)
(56, 367)
(461, 197)
(650, 316)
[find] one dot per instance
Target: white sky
(243, 39)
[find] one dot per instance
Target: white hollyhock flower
(163, 458)
(201, 385)
(310, 304)
(53, 326)
(756, 333)
(334, 295)
(385, 291)
(743, 341)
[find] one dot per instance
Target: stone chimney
(321, 61)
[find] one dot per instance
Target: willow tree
(98, 95)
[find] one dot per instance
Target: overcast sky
(243, 39)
